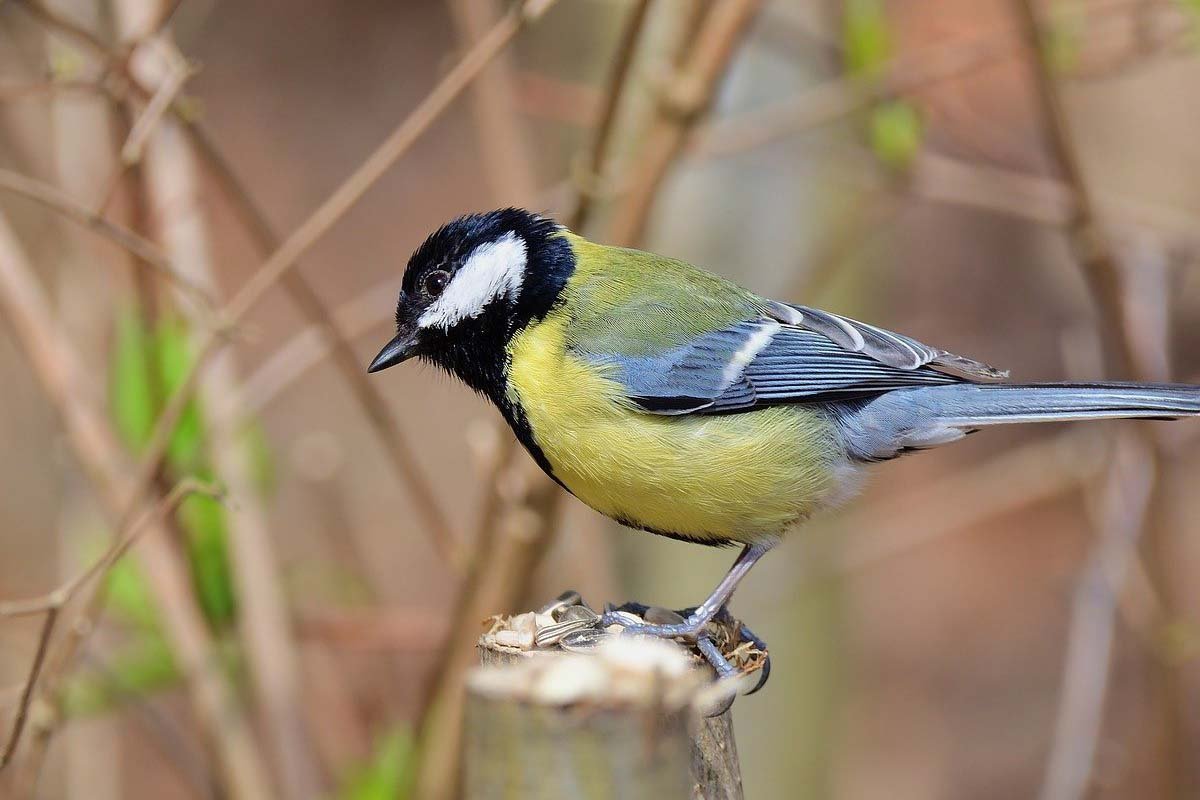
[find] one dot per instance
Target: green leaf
(132, 395)
(203, 519)
(865, 37)
(895, 133)
(388, 775)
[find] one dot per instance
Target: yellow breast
(743, 477)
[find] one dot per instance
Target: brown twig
(1127, 497)
(395, 145)
(26, 699)
(503, 141)
(682, 98)
(618, 78)
(63, 25)
(1038, 199)
(57, 367)
(839, 97)
(141, 248)
(52, 604)
(1085, 228)
(171, 187)
(115, 551)
(162, 100)
(330, 212)
(335, 341)
(1073, 757)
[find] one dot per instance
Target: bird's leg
(704, 613)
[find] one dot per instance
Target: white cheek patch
(495, 269)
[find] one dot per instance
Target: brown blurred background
(1012, 616)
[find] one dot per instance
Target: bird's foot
(731, 648)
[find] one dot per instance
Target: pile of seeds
(569, 624)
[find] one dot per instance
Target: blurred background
(190, 287)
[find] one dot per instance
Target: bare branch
(35, 670)
(1127, 498)
(141, 248)
(1081, 706)
(614, 92)
(682, 99)
(53, 603)
(58, 22)
(124, 540)
(397, 144)
(1085, 228)
(163, 98)
(170, 185)
(57, 367)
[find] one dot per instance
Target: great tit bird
(674, 401)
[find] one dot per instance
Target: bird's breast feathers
(739, 477)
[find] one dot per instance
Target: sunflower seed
(567, 598)
(583, 640)
(553, 634)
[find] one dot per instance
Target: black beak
(401, 348)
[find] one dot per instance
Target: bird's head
(470, 286)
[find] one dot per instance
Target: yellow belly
(744, 477)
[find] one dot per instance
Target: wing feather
(885, 346)
(754, 363)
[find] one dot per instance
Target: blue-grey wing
(794, 355)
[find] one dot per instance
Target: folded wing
(790, 354)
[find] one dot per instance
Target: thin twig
(1038, 199)
(163, 98)
(1093, 250)
(682, 98)
(53, 603)
(141, 248)
(1128, 494)
(328, 214)
(338, 344)
(57, 366)
(393, 147)
(614, 92)
(39, 658)
(170, 185)
(842, 96)
(503, 141)
(64, 25)
(115, 551)
(839, 97)
(1102, 271)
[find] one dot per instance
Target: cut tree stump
(623, 718)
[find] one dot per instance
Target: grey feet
(726, 644)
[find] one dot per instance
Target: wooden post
(623, 719)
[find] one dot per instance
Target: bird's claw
(707, 636)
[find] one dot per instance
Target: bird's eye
(435, 282)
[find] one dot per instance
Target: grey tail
(913, 419)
